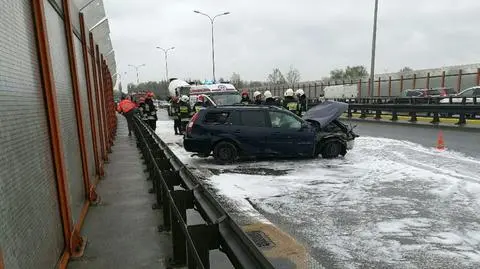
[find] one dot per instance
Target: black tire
(225, 153)
(332, 149)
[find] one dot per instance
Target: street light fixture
(136, 68)
(212, 20)
(374, 41)
(166, 60)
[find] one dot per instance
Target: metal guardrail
(411, 107)
(177, 190)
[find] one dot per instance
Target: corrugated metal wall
(30, 224)
(66, 108)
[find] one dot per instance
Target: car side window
(217, 117)
(476, 92)
(284, 120)
(253, 118)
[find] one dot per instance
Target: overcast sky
(314, 36)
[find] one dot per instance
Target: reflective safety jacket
(184, 111)
(198, 106)
(125, 106)
(291, 105)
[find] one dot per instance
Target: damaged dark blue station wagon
(232, 132)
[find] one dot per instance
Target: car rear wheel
(332, 149)
(225, 153)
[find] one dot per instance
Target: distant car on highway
(232, 132)
(163, 104)
(468, 93)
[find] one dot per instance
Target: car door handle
(237, 131)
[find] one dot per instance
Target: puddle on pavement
(251, 171)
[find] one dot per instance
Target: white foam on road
(388, 203)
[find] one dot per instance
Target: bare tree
(293, 76)
(276, 77)
(236, 80)
(405, 69)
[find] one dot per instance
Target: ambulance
(222, 94)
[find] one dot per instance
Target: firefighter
(176, 115)
(269, 101)
(141, 110)
(127, 108)
(184, 112)
(199, 104)
(302, 101)
(245, 98)
(257, 98)
(150, 111)
(290, 103)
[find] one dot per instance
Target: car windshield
(225, 99)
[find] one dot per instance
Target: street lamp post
(136, 68)
(374, 41)
(212, 20)
(166, 60)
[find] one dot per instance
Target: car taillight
(191, 122)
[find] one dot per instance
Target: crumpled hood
(326, 112)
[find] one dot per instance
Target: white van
(340, 91)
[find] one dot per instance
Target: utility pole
(374, 41)
(136, 68)
(166, 60)
(212, 20)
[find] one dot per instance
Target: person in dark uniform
(141, 110)
(151, 111)
(184, 113)
(269, 100)
(176, 115)
(302, 101)
(245, 98)
(257, 98)
(290, 103)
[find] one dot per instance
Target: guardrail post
(436, 118)
(462, 119)
(394, 116)
(414, 82)
(205, 237)
(183, 200)
(413, 117)
(363, 114)
(378, 114)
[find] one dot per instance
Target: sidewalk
(122, 229)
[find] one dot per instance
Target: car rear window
(217, 117)
(254, 118)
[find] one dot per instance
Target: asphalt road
(465, 142)
(392, 202)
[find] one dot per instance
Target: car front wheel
(332, 149)
(225, 153)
